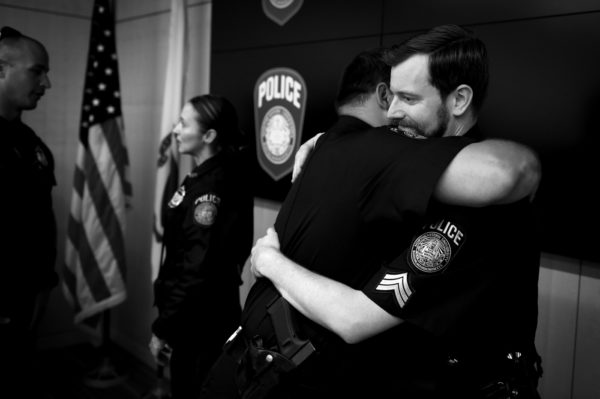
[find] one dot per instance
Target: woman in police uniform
(208, 236)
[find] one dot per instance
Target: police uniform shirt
(28, 245)
(208, 237)
(469, 278)
(361, 191)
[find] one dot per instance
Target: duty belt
(258, 368)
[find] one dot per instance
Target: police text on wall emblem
(279, 103)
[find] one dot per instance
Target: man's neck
(368, 112)
(460, 126)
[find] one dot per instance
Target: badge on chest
(206, 208)
(177, 197)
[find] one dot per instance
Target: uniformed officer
(358, 198)
(207, 238)
(28, 245)
(466, 285)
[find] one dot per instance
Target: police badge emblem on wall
(279, 103)
(281, 11)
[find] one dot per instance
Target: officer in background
(28, 245)
(208, 236)
(346, 213)
(466, 287)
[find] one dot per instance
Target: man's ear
(383, 95)
(461, 99)
(209, 136)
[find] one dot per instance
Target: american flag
(94, 270)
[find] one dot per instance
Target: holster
(259, 369)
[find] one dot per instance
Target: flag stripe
(106, 212)
(112, 131)
(92, 274)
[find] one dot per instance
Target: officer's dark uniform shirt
(378, 184)
(28, 245)
(467, 285)
(208, 238)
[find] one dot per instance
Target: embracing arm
(490, 172)
(347, 312)
(302, 154)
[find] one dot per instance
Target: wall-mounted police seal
(281, 11)
(279, 104)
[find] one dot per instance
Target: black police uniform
(208, 237)
(28, 245)
(360, 195)
(467, 291)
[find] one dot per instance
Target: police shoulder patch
(206, 208)
(433, 250)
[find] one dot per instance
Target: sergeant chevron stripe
(398, 283)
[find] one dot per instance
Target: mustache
(405, 124)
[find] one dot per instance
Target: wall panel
(557, 324)
(400, 16)
(242, 24)
(79, 8)
(544, 91)
(586, 375)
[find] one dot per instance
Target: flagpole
(161, 388)
(167, 179)
(105, 375)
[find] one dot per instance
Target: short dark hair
(216, 112)
(361, 77)
(11, 36)
(456, 56)
(6, 32)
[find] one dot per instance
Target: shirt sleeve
(410, 180)
(436, 279)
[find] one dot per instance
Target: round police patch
(431, 252)
(278, 135)
(205, 213)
